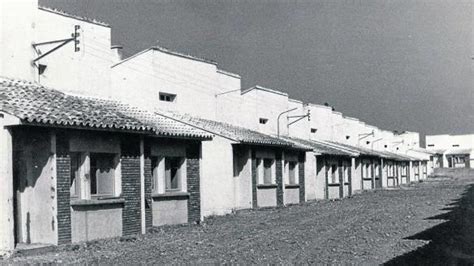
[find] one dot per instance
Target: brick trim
(63, 182)
(193, 180)
(131, 212)
(279, 178)
(254, 180)
(148, 199)
(301, 177)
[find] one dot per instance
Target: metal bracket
(62, 42)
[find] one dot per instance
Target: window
(404, 169)
(417, 170)
(292, 173)
(167, 97)
(75, 174)
(347, 168)
(431, 145)
(377, 170)
(348, 137)
(455, 145)
(172, 173)
(263, 121)
(167, 174)
(102, 174)
(267, 171)
(333, 175)
(385, 146)
(367, 142)
(313, 130)
(366, 169)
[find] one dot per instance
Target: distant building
(451, 151)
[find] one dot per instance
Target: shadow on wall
(452, 242)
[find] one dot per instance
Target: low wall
(333, 191)
(292, 194)
(91, 219)
(266, 196)
(170, 209)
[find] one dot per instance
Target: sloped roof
(322, 148)
(370, 152)
(232, 132)
(458, 151)
(35, 104)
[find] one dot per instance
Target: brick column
(254, 180)
(279, 178)
(131, 214)
(63, 183)
(301, 179)
(148, 199)
(193, 178)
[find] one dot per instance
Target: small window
(267, 171)
(75, 174)
(347, 168)
(455, 145)
(348, 137)
(385, 146)
(167, 174)
(263, 121)
(102, 174)
(334, 174)
(167, 97)
(313, 130)
(367, 142)
(173, 173)
(431, 145)
(292, 173)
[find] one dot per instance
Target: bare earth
(427, 223)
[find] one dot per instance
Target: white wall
(141, 78)
(17, 33)
(447, 141)
(266, 103)
(228, 100)
(217, 184)
(321, 121)
(86, 72)
(300, 129)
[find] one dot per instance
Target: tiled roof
(235, 133)
(370, 152)
(37, 105)
(322, 148)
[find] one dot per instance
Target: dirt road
(427, 222)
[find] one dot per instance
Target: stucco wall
(292, 195)
(17, 25)
(243, 182)
(311, 182)
(217, 182)
(169, 211)
(86, 72)
(6, 189)
(266, 197)
(194, 82)
(89, 222)
(300, 129)
(265, 103)
(35, 190)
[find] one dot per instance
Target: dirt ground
(426, 223)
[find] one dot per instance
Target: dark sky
(396, 64)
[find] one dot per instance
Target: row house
(83, 162)
(451, 151)
(76, 169)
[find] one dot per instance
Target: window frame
(167, 97)
(114, 174)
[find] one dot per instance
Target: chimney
(117, 50)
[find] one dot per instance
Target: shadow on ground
(451, 242)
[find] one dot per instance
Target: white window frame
(159, 175)
(83, 179)
(296, 173)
